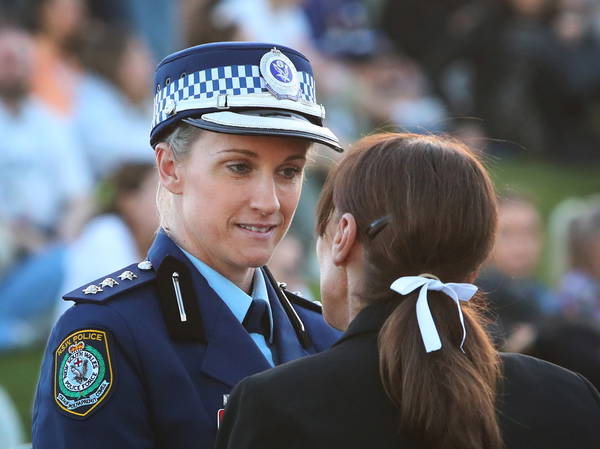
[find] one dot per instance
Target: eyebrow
(255, 155)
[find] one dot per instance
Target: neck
(242, 280)
(355, 305)
(241, 277)
(355, 287)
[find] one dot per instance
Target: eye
(239, 168)
(290, 172)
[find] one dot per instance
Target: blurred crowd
(510, 77)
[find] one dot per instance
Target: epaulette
(107, 287)
(300, 301)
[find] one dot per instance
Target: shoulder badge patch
(83, 374)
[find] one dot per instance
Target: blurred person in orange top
(58, 26)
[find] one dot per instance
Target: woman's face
(518, 240)
(237, 197)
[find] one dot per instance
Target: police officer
(147, 355)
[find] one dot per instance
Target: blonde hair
(180, 142)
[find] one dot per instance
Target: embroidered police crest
(82, 372)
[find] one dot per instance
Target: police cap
(244, 88)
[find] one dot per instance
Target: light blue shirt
(237, 300)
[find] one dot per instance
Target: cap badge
(280, 75)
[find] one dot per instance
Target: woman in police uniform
(148, 354)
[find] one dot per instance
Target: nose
(264, 198)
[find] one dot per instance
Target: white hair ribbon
(458, 292)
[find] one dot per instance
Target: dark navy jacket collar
(162, 247)
(230, 354)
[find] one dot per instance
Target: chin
(258, 260)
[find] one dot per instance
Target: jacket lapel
(286, 344)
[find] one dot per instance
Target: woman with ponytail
(404, 223)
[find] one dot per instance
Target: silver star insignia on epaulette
(145, 265)
(108, 282)
(92, 290)
(129, 275)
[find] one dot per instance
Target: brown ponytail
(446, 398)
(442, 219)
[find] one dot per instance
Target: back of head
(424, 204)
(439, 200)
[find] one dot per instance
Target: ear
(167, 168)
(344, 239)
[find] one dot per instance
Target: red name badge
(221, 411)
(220, 414)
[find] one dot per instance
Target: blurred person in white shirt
(44, 178)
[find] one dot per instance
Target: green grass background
(548, 182)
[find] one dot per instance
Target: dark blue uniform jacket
(122, 370)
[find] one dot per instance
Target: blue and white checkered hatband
(241, 81)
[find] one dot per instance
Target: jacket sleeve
(253, 421)
(90, 392)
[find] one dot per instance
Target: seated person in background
(44, 177)
(404, 224)
(579, 292)
(517, 300)
(44, 186)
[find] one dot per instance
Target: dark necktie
(257, 318)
